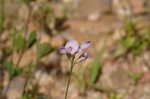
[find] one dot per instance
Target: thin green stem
(2, 14)
(69, 79)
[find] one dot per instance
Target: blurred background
(32, 31)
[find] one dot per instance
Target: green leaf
(115, 96)
(27, 95)
(128, 42)
(135, 77)
(43, 49)
(32, 39)
(139, 47)
(103, 88)
(81, 81)
(27, 1)
(148, 33)
(12, 70)
(2, 14)
(119, 52)
(130, 28)
(95, 70)
(17, 71)
(19, 42)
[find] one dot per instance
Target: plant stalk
(69, 79)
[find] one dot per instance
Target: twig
(21, 53)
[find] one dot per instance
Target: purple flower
(84, 46)
(82, 57)
(72, 47)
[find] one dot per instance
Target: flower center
(70, 48)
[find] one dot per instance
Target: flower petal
(85, 45)
(72, 47)
(62, 50)
(83, 57)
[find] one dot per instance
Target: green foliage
(27, 2)
(95, 70)
(115, 96)
(33, 94)
(2, 14)
(27, 95)
(130, 28)
(128, 42)
(135, 77)
(32, 39)
(18, 41)
(102, 88)
(148, 33)
(18, 44)
(133, 42)
(13, 71)
(81, 81)
(43, 49)
(47, 9)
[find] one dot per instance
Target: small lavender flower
(83, 57)
(72, 48)
(84, 46)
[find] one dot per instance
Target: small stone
(44, 38)
(93, 16)
(45, 82)
(53, 59)
(57, 41)
(16, 88)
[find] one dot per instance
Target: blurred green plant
(19, 45)
(135, 77)
(21, 41)
(80, 78)
(95, 70)
(18, 41)
(88, 76)
(115, 96)
(31, 39)
(29, 94)
(33, 94)
(12, 70)
(133, 42)
(27, 2)
(48, 20)
(2, 14)
(43, 49)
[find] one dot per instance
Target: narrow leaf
(43, 49)
(32, 39)
(18, 42)
(95, 70)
